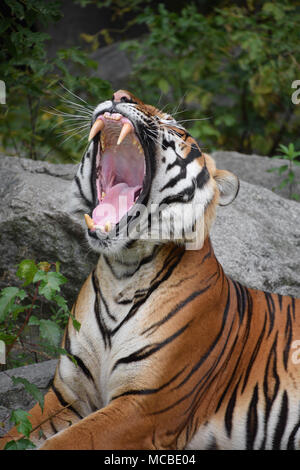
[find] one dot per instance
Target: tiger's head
(144, 177)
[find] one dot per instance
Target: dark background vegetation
(226, 67)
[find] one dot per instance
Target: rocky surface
(254, 170)
(13, 396)
(256, 238)
(34, 223)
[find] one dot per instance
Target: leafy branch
(291, 155)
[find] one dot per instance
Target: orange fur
(195, 359)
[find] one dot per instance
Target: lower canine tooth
(107, 227)
(126, 129)
(89, 221)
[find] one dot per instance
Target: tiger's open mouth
(120, 170)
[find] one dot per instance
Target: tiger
(172, 353)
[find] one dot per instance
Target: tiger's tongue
(116, 203)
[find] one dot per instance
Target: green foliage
(21, 444)
(233, 68)
(17, 306)
(33, 84)
(32, 389)
(40, 281)
(290, 154)
(20, 420)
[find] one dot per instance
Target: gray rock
(254, 170)
(14, 396)
(35, 225)
(114, 65)
(257, 240)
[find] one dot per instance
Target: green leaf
(282, 169)
(26, 271)
(61, 302)
(50, 331)
(50, 284)
(30, 388)
(20, 419)
(7, 298)
(7, 338)
(75, 322)
(40, 276)
(21, 444)
(163, 85)
(34, 321)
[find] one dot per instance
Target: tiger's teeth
(89, 221)
(97, 126)
(102, 141)
(107, 226)
(126, 129)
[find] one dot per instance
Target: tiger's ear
(228, 185)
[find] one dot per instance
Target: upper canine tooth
(97, 126)
(126, 129)
(89, 221)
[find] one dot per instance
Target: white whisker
(75, 96)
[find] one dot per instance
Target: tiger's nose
(121, 95)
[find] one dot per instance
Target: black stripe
(149, 391)
(229, 411)
(212, 346)
(150, 349)
(82, 163)
(270, 395)
(241, 299)
(252, 420)
(145, 260)
(282, 420)
(175, 255)
(63, 402)
(291, 441)
(83, 367)
(53, 426)
(105, 332)
(288, 338)
(111, 316)
(254, 354)
(271, 310)
(88, 203)
(293, 307)
(175, 310)
(279, 300)
(271, 374)
(184, 196)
